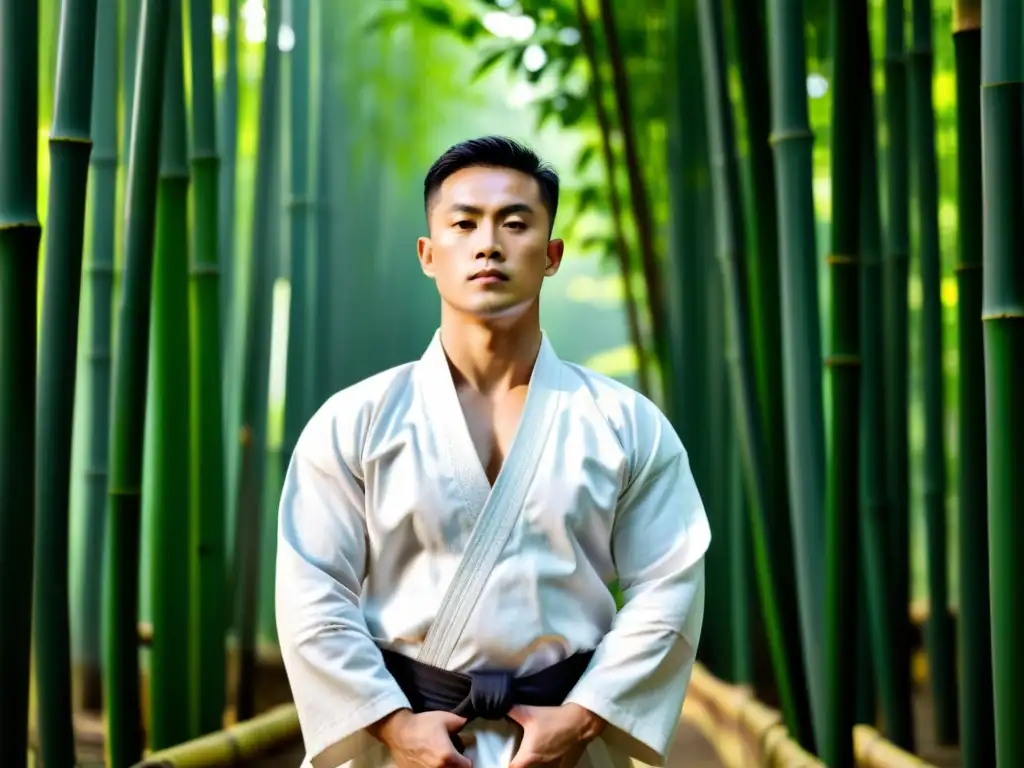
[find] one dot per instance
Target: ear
(556, 249)
(425, 252)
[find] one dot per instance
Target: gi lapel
(501, 509)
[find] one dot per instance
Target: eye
(516, 225)
(464, 224)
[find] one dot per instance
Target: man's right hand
(421, 740)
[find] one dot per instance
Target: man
(449, 528)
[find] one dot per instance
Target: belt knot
(490, 694)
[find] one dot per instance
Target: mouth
(489, 276)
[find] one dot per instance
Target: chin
(494, 311)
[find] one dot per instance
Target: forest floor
(690, 749)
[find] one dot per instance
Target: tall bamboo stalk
(208, 576)
(801, 342)
(849, 26)
(298, 385)
(256, 361)
(638, 191)
(70, 147)
(896, 354)
(1002, 136)
(875, 505)
(327, 148)
(96, 370)
(171, 699)
(977, 734)
(128, 404)
(19, 264)
(775, 577)
(226, 179)
(939, 632)
(615, 201)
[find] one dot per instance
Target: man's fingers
(452, 722)
(523, 759)
(455, 760)
(521, 714)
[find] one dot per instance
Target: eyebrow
(506, 210)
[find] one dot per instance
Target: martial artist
(449, 528)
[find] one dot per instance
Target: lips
(489, 275)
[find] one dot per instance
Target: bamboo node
(1010, 314)
(791, 134)
(80, 141)
(842, 361)
(840, 259)
(100, 268)
(96, 473)
(98, 356)
(104, 161)
(204, 270)
(11, 226)
(966, 17)
(205, 157)
(967, 266)
(301, 202)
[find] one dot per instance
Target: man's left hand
(554, 737)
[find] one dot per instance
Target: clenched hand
(554, 736)
(422, 740)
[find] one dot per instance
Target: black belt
(485, 694)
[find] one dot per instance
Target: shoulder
(641, 428)
(337, 430)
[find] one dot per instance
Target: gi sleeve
(641, 669)
(337, 674)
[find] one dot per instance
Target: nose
(488, 247)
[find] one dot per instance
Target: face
(489, 250)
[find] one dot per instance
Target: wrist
(590, 724)
(384, 730)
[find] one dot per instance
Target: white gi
(381, 496)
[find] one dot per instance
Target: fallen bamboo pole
(233, 746)
(745, 732)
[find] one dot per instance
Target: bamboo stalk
(19, 263)
(128, 403)
(301, 298)
(96, 369)
(170, 698)
(70, 147)
(326, 151)
(849, 27)
(228, 151)
(638, 192)
(940, 632)
(237, 745)
(207, 575)
(615, 201)
(773, 574)
(896, 354)
(792, 142)
(253, 434)
(1002, 136)
(875, 503)
(977, 736)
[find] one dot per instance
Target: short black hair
(499, 152)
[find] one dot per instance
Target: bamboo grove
(797, 225)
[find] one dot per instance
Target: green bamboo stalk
(977, 727)
(896, 354)
(171, 698)
(849, 26)
(622, 252)
(70, 147)
(939, 633)
(299, 366)
(207, 567)
(638, 192)
(792, 142)
(775, 577)
(875, 505)
(19, 263)
(228, 150)
(96, 371)
(1002, 137)
(327, 147)
(128, 403)
(256, 359)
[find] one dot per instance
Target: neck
(491, 356)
